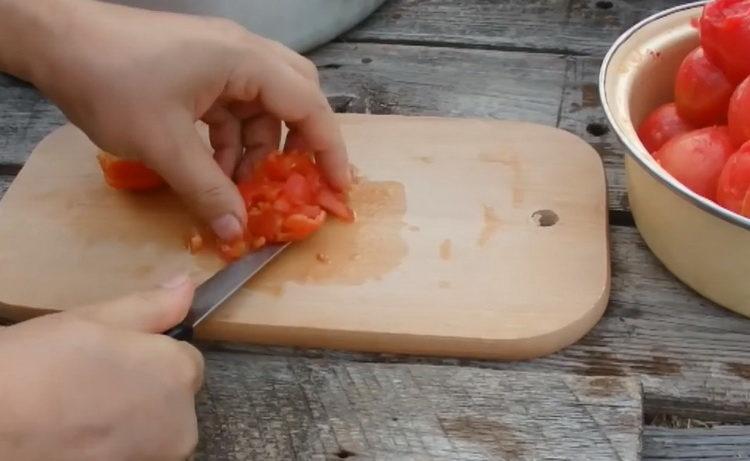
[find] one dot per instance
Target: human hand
(96, 383)
(136, 81)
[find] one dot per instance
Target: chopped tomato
(702, 91)
(725, 36)
(195, 241)
(128, 174)
(297, 190)
(739, 113)
(299, 226)
(661, 125)
(335, 204)
(734, 182)
(287, 199)
(235, 250)
(696, 159)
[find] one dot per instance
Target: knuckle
(190, 365)
(310, 69)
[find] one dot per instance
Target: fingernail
(175, 282)
(227, 227)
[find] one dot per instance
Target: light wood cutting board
(474, 238)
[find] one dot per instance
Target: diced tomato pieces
(299, 226)
(265, 223)
(128, 174)
(195, 241)
(297, 190)
(235, 250)
(260, 191)
(287, 199)
(311, 211)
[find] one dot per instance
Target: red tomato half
(739, 113)
(725, 36)
(128, 174)
(746, 205)
(702, 91)
(696, 159)
(734, 182)
(661, 125)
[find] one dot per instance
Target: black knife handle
(181, 332)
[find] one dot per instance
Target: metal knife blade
(213, 292)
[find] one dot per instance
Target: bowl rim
(635, 150)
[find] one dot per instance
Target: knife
(213, 292)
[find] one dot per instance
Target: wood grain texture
(417, 80)
(387, 79)
(523, 205)
(717, 443)
(5, 182)
(556, 26)
(411, 80)
(25, 118)
(258, 407)
(691, 355)
(647, 322)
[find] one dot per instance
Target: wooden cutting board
(474, 238)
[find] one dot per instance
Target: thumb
(187, 165)
(152, 311)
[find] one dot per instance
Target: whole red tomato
(702, 91)
(739, 113)
(734, 182)
(725, 36)
(696, 159)
(661, 125)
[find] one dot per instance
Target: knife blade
(221, 286)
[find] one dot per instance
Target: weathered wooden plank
(559, 26)
(692, 356)
(410, 81)
(717, 443)
(447, 82)
(581, 113)
(4, 184)
(259, 407)
(25, 118)
(415, 80)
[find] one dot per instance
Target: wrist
(33, 34)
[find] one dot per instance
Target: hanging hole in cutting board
(545, 218)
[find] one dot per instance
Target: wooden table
(665, 374)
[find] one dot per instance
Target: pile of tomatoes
(703, 138)
(287, 199)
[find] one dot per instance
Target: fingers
(290, 97)
(153, 311)
(225, 134)
(260, 135)
(298, 62)
(192, 172)
(193, 367)
(294, 141)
